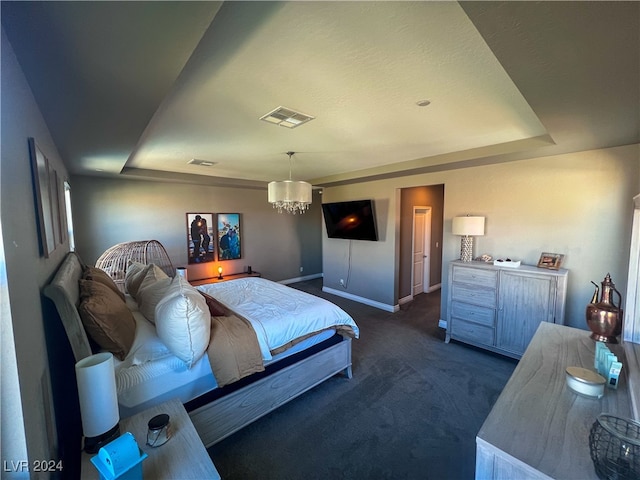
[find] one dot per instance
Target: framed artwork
(42, 195)
(552, 261)
(229, 237)
(199, 237)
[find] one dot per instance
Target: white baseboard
(366, 301)
(433, 288)
(407, 299)
(300, 279)
(442, 324)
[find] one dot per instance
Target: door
(421, 249)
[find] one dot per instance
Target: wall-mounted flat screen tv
(352, 220)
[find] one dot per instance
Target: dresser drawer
(485, 297)
(472, 332)
(475, 276)
(473, 313)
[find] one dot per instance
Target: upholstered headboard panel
(64, 290)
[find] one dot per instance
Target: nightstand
(183, 456)
(225, 278)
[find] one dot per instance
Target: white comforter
(279, 314)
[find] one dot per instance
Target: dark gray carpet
(411, 411)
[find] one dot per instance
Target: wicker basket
(115, 259)
(614, 444)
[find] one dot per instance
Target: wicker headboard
(64, 290)
(115, 260)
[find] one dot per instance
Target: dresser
(500, 308)
(539, 428)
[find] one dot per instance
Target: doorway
(421, 249)
(422, 198)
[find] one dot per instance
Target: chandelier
(294, 197)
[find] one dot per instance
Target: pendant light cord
(290, 155)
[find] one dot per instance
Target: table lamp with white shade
(98, 397)
(468, 227)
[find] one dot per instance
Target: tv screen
(353, 220)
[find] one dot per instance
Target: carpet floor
(411, 411)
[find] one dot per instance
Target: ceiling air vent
(202, 163)
(286, 117)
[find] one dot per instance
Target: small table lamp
(98, 397)
(468, 227)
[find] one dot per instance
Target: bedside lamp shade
(472, 226)
(98, 400)
(467, 227)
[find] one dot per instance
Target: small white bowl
(585, 382)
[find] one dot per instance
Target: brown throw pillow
(215, 308)
(99, 275)
(106, 318)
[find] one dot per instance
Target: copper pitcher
(604, 317)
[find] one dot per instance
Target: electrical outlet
(301, 269)
(342, 282)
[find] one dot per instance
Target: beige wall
(108, 211)
(27, 272)
(578, 204)
(369, 269)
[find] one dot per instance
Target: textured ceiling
(142, 88)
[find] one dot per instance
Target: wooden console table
(230, 276)
(538, 428)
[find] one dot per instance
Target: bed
(286, 360)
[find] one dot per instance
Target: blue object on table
(120, 459)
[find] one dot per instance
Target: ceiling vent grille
(202, 163)
(286, 117)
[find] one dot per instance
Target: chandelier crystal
(291, 196)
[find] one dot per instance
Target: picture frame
(200, 239)
(43, 201)
(552, 261)
(229, 236)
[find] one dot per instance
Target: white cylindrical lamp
(182, 272)
(468, 227)
(98, 397)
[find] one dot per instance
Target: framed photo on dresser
(552, 261)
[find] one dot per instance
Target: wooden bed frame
(220, 418)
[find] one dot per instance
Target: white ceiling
(142, 88)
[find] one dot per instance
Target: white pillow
(151, 291)
(134, 276)
(183, 321)
(147, 346)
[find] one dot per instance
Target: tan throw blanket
(233, 349)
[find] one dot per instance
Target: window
(67, 203)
